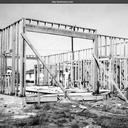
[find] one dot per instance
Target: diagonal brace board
(99, 65)
(42, 61)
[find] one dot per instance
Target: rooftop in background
(31, 71)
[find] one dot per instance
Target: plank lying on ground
(55, 97)
(51, 90)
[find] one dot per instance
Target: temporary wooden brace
(38, 55)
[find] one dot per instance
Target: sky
(108, 19)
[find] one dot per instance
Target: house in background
(30, 76)
(9, 70)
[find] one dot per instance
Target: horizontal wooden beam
(29, 57)
(58, 24)
(61, 32)
(99, 35)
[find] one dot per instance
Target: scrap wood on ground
(100, 66)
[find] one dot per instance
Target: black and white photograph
(63, 65)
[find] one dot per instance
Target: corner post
(23, 62)
(13, 59)
(95, 69)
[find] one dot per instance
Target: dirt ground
(15, 113)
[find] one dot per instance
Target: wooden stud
(44, 72)
(120, 73)
(78, 66)
(125, 73)
(17, 75)
(5, 72)
(3, 66)
(72, 61)
(38, 71)
(105, 46)
(95, 70)
(1, 58)
(13, 59)
(22, 62)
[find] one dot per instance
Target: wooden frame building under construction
(110, 51)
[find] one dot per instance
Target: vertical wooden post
(125, 70)
(0, 60)
(22, 62)
(116, 60)
(105, 46)
(104, 72)
(78, 71)
(112, 59)
(4, 62)
(38, 97)
(100, 40)
(45, 74)
(72, 62)
(95, 70)
(48, 72)
(8, 50)
(35, 74)
(17, 81)
(13, 59)
(38, 71)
